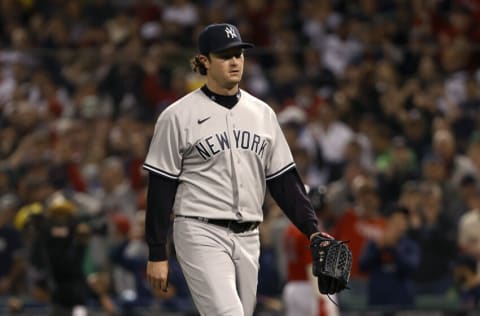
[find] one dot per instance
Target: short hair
(198, 66)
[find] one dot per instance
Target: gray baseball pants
(221, 267)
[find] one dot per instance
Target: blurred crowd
(379, 101)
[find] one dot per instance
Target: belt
(235, 226)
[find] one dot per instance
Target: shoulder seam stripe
(163, 173)
(279, 172)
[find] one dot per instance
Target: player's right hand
(157, 274)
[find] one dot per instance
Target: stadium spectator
(327, 138)
(396, 167)
(340, 192)
(434, 227)
(391, 261)
(361, 223)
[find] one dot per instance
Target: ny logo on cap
(230, 32)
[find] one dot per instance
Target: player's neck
(218, 89)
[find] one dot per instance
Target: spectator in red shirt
(362, 222)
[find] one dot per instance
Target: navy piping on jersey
(161, 172)
(279, 172)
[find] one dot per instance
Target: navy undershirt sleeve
(160, 198)
(289, 192)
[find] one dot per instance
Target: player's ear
(204, 60)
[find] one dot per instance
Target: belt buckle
(203, 219)
(231, 226)
(235, 227)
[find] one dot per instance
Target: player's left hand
(157, 274)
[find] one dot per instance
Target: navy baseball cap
(217, 37)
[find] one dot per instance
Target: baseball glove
(332, 261)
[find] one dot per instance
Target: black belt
(235, 226)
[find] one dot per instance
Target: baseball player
(212, 157)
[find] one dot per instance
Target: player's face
(225, 69)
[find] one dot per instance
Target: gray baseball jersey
(221, 157)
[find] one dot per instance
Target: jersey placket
(236, 164)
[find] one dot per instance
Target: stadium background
(396, 83)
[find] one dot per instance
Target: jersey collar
(228, 101)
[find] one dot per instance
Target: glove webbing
(343, 258)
